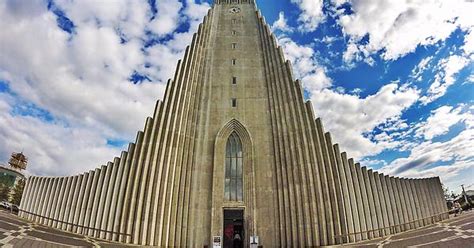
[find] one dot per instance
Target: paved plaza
(455, 232)
(16, 232)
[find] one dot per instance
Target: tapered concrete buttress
(345, 195)
(108, 198)
(374, 204)
(382, 207)
(185, 181)
(354, 201)
(104, 183)
(75, 203)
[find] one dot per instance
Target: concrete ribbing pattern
(299, 189)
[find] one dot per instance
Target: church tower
(233, 150)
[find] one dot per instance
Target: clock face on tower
(234, 10)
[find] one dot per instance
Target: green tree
(4, 192)
(18, 192)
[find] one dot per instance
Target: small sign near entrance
(216, 242)
(253, 241)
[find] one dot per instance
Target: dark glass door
(233, 228)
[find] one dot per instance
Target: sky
(392, 80)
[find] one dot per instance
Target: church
(233, 156)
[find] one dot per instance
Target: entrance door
(233, 228)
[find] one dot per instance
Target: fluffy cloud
(447, 159)
(312, 75)
(53, 148)
(398, 27)
(311, 14)
(167, 18)
(440, 121)
(448, 68)
(349, 117)
(281, 24)
(81, 77)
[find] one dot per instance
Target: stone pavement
(456, 232)
(16, 232)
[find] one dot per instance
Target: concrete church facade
(233, 148)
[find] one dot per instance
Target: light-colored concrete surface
(168, 188)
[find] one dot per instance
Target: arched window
(233, 169)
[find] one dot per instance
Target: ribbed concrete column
(54, 200)
(98, 200)
(328, 223)
(355, 197)
(36, 195)
(23, 203)
(414, 206)
(91, 202)
(279, 159)
(427, 197)
(80, 202)
(403, 203)
(75, 202)
(57, 205)
(40, 200)
(382, 208)
(128, 191)
(388, 204)
(124, 171)
(26, 200)
(136, 184)
(365, 203)
(67, 206)
(321, 215)
(111, 191)
(332, 189)
(377, 214)
(409, 207)
(396, 204)
(115, 194)
(45, 198)
(342, 226)
(62, 208)
(30, 198)
(345, 194)
(370, 214)
(422, 202)
(102, 198)
(84, 201)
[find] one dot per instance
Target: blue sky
(392, 80)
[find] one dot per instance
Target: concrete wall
(299, 188)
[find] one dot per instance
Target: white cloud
(468, 46)
(421, 68)
(445, 77)
(397, 27)
(447, 159)
(281, 24)
(350, 117)
(312, 75)
(167, 18)
(440, 121)
(311, 14)
(52, 148)
(83, 79)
